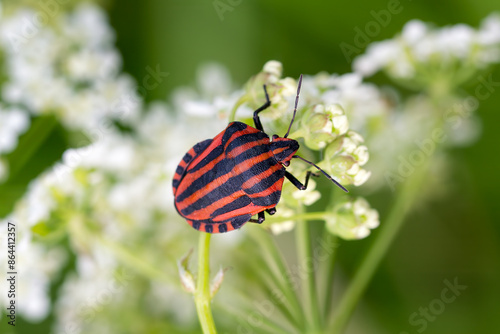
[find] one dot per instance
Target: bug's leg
(296, 182)
(260, 219)
(256, 119)
(271, 211)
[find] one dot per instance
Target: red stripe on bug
(238, 169)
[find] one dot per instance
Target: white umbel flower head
(69, 68)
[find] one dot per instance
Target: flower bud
(352, 219)
(187, 278)
(280, 90)
(274, 69)
(322, 124)
(217, 282)
(344, 158)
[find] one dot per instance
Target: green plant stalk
(242, 100)
(202, 296)
(77, 228)
(378, 249)
(266, 326)
(330, 270)
(129, 259)
(278, 269)
(305, 261)
(330, 262)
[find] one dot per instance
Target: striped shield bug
(222, 182)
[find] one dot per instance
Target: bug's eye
(275, 137)
(286, 163)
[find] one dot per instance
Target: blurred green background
(454, 236)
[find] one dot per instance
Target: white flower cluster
(213, 95)
(424, 50)
(324, 125)
(363, 103)
(352, 219)
(281, 92)
(321, 117)
(68, 67)
(37, 265)
(343, 107)
(118, 185)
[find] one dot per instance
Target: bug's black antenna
(322, 171)
(295, 109)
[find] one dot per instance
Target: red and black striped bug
(222, 182)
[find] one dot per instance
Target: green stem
(242, 100)
(378, 250)
(78, 229)
(202, 296)
(327, 300)
(306, 266)
(133, 261)
(278, 269)
(330, 239)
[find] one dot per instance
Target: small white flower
(275, 69)
(280, 95)
(309, 195)
(279, 228)
(377, 56)
(455, 41)
(284, 226)
(414, 31)
(347, 81)
(361, 177)
(213, 80)
(89, 65)
(339, 119)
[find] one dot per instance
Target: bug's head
(284, 149)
